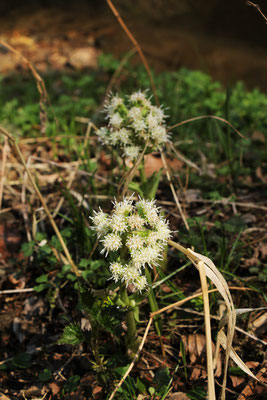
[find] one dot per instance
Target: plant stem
(132, 341)
(154, 307)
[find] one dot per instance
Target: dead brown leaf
(237, 380)
(153, 163)
(178, 396)
(195, 346)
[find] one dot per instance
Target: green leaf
(66, 268)
(45, 375)
(151, 186)
(41, 287)
(28, 248)
(22, 360)
(42, 278)
(136, 188)
(72, 335)
(72, 384)
(140, 386)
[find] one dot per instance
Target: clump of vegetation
(120, 270)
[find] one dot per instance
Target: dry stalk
(186, 121)
(117, 73)
(40, 86)
(249, 3)
(3, 168)
(173, 190)
(137, 46)
(132, 171)
(42, 200)
(203, 280)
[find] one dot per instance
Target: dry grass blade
(203, 280)
(137, 46)
(173, 190)
(235, 357)
(181, 157)
(187, 121)
(40, 86)
(117, 73)
(217, 278)
(42, 200)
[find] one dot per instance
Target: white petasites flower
(158, 113)
(135, 242)
(149, 210)
(117, 270)
(103, 135)
(159, 134)
(132, 152)
(124, 136)
(101, 222)
(136, 222)
(152, 121)
(163, 230)
(118, 223)
(112, 104)
(140, 283)
(139, 124)
(135, 113)
(115, 120)
(114, 138)
(138, 96)
(130, 275)
(111, 242)
(124, 207)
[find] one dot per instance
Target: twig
(117, 73)
(173, 190)
(186, 121)
(40, 86)
(37, 191)
(131, 173)
(137, 46)
(249, 3)
(15, 291)
(3, 167)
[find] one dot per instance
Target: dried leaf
(235, 357)
(178, 396)
(237, 380)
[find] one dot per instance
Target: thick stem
(154, 307)
(132, 341)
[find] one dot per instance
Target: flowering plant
(138, 233)
(133, 123)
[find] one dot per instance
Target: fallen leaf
(178, 396)
(54, 387)
(237, 380)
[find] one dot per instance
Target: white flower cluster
(138, 232)
(133, 123)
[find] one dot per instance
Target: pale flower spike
(138, 233)
(133, 123)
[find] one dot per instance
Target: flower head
(133, 123)
(138, 233)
